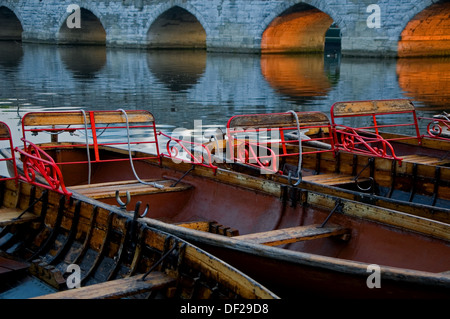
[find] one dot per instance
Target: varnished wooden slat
(423, 159)
(115, 289)
(107, 190)
(75, 187)
(361, 108)
(197, 225)
(332, 179)
(4, 131)
(8, 215)
(77, 118)
(294, 234)
(275, 120)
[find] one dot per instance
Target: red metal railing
(59, 125)
(35, 160)
(188, 152)
(260, 140)
(437, 127)
(74, 123)
(367, 139)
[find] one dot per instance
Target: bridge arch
(91, 29)
(176, 27)
(427, 31)
(11, 25)
(297, 26)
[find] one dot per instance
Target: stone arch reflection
(428, 33)
(426, 80)
(177, 70)
(176, 28)
(10, 26)
(301, 28)
(83, 61)
(91, 31)
(300, 77)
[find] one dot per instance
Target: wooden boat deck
(9, 215)
(332, 179)
(423, 159)
(294, 234)
(118, 288)
(108, 190)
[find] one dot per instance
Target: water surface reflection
(181, 86)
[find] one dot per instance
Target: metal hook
(119, 201)
(136, 210)
(299, 180)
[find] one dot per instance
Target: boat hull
(412, 265)
(52, 238)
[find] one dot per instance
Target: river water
(179, 87)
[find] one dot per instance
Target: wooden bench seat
(115, 289)
(421, 159)
(210, 227)
(332, 179)
(293, 234)
(8, 216)
(108, 190)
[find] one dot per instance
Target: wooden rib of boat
(294, 241)
(50, 242)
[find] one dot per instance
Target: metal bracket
(337, 207)
(119, 201)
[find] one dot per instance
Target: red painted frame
(434, 127)
(350, 138)
(247, 151)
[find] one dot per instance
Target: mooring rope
(87, 145)
(131, 157)
(299, 167)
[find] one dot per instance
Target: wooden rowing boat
(50, 242)
(294, 241)
(406, 173)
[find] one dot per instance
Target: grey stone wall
(230, 25)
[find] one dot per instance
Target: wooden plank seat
(294, 234)
(332, 179)
(8, 216)
(134, 187)
(421, 159)
(210, 227)
(115, 289)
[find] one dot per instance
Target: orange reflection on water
(428, 33)
(426, 80)
(295, 75)
(297, 32)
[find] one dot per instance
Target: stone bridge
(364, 27)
